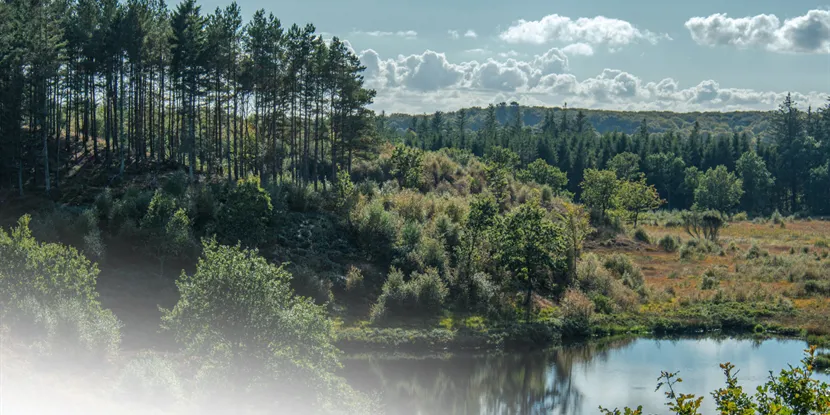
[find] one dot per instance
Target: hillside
(604, 121)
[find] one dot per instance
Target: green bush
(175, 184)
(422, 296)
(641, 235)
(239, 314)
(624, 268)
(245, 216)
(669, 243)
(150, 378)
(376, 229)
(354, 280)
(67, 328)
(577, 310)
(103, 204)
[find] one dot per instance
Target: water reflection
(570, 380)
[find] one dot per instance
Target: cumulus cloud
(430, 71)
(583, 49)
(406, 34)
(598, 30)
(429, 81)
(809, 33)
(455, 34)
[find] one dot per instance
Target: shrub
(396, 299)
(669, 243)
(151, 379)
(103, 204)
(159, 211)
(175, 184)
(67, 328)
(431, 292)
(237, 308)
(756, 252)
(47, 271)
(641, 235)
(376, 229)
(354, 279)
(482, 292)
(245, 215)
(421, 297)
(625, 269)
(709, 280)
(740, 217)
(777, 218)
(577, 310)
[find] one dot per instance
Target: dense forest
(241, 167)
(113, 84)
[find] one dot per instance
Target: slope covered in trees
(119, 84)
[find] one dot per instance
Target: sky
(700, 55)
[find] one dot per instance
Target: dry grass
(678, 282)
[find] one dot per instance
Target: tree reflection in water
(518, 383)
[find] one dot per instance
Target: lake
(573, 379)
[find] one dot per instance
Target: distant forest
(755, 123)
(777, 160)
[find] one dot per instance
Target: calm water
(568, 380)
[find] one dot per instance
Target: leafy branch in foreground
(793, 392)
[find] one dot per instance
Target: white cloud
(428, 82)
(455, 34)
(406, 34)
(583, 49)
(598, 30)
(809, 33)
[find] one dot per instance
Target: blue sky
(432, 55)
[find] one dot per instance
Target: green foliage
(407, 166)
(159, 211)
(669, 243)
(44, 271)
(718, 189)
(641, 235)
(422, 296)
(531, 247)
(794, 391)
(577, 310)
(245, 215)
(376, 228)
(626, 165)
(354, 280)
(240, 310)
(756, 180)
(540, 172)
(701, 225)
(599, 190)
(637, 197)
(151, 379)
(624, 268)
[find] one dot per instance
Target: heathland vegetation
(233, 176)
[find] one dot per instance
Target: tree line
(117, 84)
(789, 171)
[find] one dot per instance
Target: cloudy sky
(428, 55)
